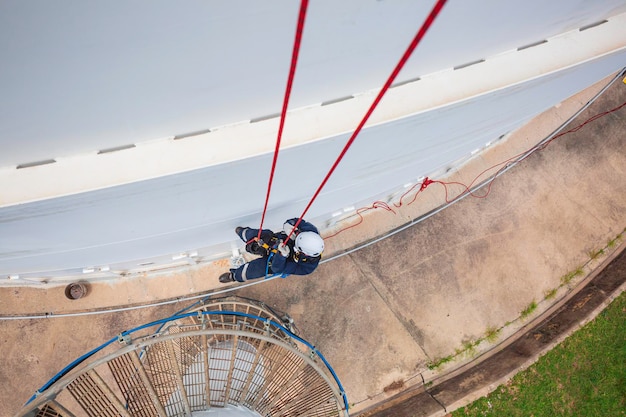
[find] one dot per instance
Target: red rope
(407, 54)
(359, 212)
(520, 157)
(292, 72)
(467, 188)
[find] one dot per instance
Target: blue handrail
(69, 367)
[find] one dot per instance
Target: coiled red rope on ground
(467, 188)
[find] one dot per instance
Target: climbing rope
(407, 54)
(283, 114)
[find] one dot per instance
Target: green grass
(567, 278)
(583, 376)
(492, 334)
(550, 294)
(593, 254)
(441, 361)
(528, 310)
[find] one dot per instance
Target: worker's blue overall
(274, 263)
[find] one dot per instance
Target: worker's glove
(284, 250)
(255, 247)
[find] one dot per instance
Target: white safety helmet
(309, 243)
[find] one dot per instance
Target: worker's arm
(304, 226)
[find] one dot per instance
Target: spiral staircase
(226, 357)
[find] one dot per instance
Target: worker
(299, 255)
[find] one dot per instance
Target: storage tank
(137, 136)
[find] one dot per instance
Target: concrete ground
(429, 294)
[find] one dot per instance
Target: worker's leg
(247, 234)
(251, 270)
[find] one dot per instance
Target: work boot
(227, 277)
